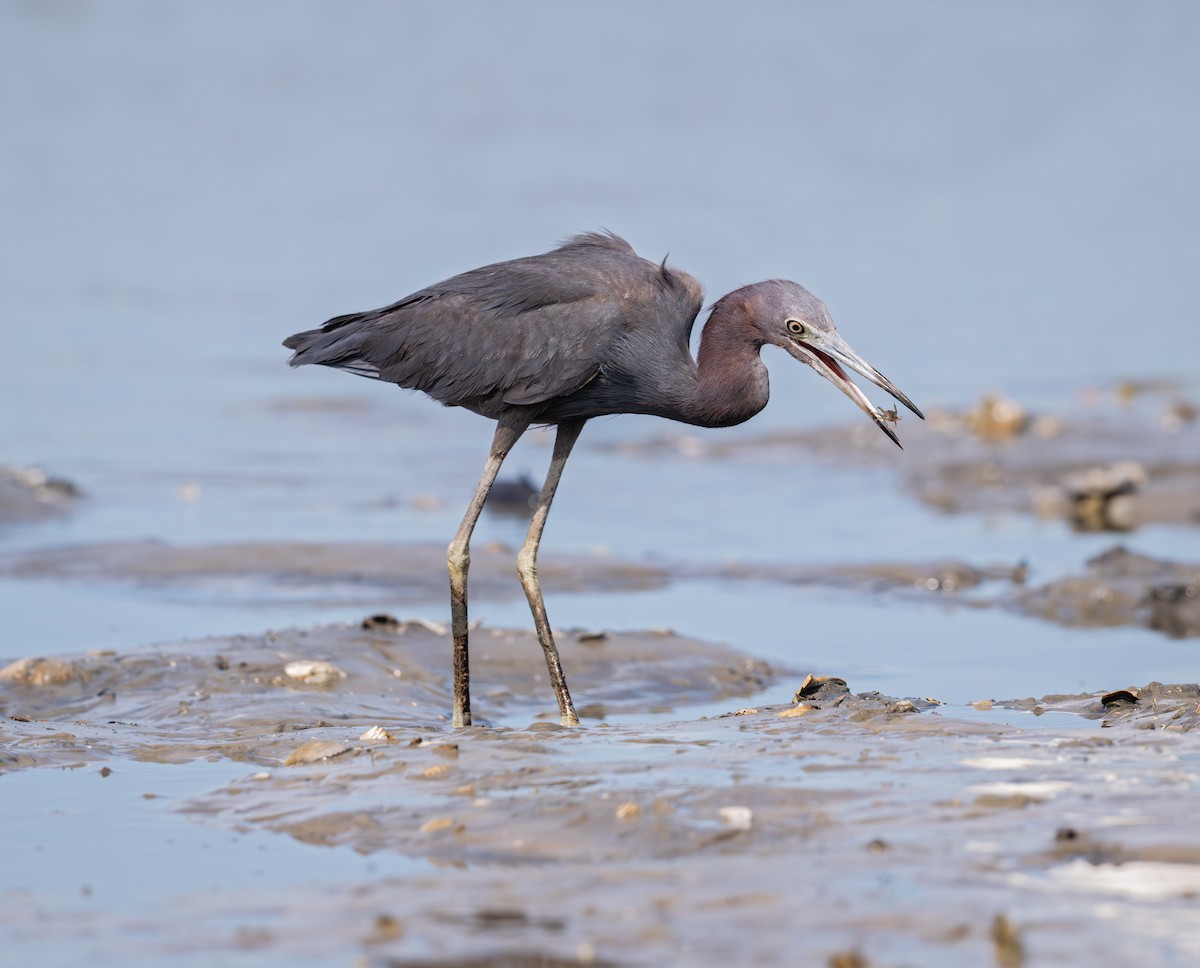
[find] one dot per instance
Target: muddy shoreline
(1118, 587)
(902, 829)
(710, 795)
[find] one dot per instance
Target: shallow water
(1000, 200)
(152, 865)
(135, 805)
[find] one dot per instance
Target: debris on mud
(1174, 707)
(315, 750)
(737, 817)
(313, 672)
(1010, 952)
(820, 687)
(834, 701)
(1099, 498)
(515, 498)
(996, 418)
(30, 494)
(1120, 696)
(38, 672)
(381, 622)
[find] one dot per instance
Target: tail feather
(338, 343)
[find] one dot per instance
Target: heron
(585, 330)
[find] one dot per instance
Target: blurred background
(989, 198)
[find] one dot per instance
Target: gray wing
(514, 333)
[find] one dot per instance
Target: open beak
(831, 359)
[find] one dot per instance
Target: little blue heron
(587, 329)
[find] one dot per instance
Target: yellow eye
(795, 327)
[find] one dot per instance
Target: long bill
(831, 356)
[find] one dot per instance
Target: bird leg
(568, 433)
(458, 557)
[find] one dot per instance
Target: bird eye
(795, 327)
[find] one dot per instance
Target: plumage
(560, 333)
(585, 330)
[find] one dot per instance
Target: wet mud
(1120, 587)
(397, 571)
(403, 572)
(1128, 460)
(1154, 706)
(905, 832)
(1116, 588)
(258, 698)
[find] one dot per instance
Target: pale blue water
(93, 848)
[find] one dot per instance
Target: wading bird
(585, 330)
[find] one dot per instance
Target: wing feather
(511, 334)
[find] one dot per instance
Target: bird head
(789, 316)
